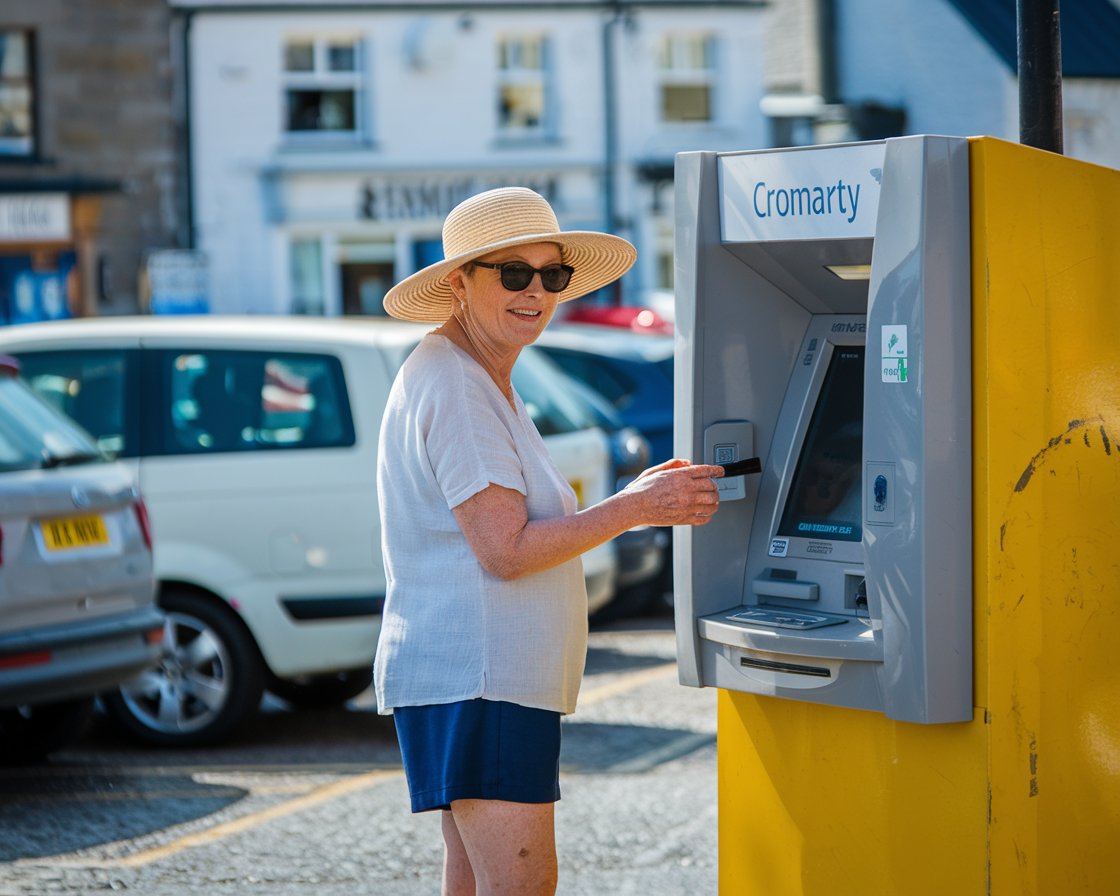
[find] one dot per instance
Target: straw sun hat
(499, 219)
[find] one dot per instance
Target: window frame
(664, 244)
(516, 75)
(323, 79)
(674, 70)
(307, 276)
(10, 150)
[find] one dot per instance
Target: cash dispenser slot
(782, 583)
(754, 662)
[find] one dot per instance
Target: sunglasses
(516, 275)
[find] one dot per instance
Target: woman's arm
(510, 545)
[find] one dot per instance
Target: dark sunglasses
(516, 275)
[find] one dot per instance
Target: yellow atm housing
(913, 613)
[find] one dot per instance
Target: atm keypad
(775, 618)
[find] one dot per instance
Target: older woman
(484, 636)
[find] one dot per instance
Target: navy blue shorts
(479, 750)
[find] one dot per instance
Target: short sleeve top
(450, 630)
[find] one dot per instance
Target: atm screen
(825, 500)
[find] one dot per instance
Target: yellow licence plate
(74, 532)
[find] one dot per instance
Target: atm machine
(912, 653)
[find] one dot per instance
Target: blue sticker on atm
(779, 547)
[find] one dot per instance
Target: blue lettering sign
(802, 201)
(824, 528)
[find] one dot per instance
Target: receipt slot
(907, 609)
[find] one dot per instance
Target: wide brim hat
(499, 219)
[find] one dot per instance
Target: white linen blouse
(450, 630)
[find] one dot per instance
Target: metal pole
(1040, 73)
(826, 47)
(610, 133)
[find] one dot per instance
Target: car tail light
(145, 522)
(34, 658)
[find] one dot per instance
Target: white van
(254, 440)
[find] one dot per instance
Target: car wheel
(29, 733)
(315, 691)
(209, 679)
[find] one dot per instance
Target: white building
(327, 144)
(328, 140)
(848, 69)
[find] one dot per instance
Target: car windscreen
(35, 435)
(545, 390)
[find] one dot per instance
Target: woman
(484, 634)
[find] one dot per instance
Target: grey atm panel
(843, 574)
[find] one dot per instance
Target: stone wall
(108, 120)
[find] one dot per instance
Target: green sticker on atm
(895, 353)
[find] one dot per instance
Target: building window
(306, 268)
(17, 93)
(523, 89)
(322, 87)
(686, 68)
(666, 267)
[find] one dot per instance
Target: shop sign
(178, 282)
(34, 217)
(808, 194)
(433, 198)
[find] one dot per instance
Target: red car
(640, 320)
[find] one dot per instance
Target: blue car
(642, 552)
(633, 371)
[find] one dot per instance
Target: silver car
(77, 588)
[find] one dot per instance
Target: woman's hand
(510, 545)
(676, 493)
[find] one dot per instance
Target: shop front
(348, 238)
(48, 262)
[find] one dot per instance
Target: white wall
(920, 54)
(1091, 113)
(431, 109)
(431, 113)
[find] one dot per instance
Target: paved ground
(316, 802)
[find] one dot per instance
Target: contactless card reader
(728, 442)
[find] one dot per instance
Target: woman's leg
(511, 846)
(458, 878)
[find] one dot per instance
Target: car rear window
(34, 435)
(597, 372)
(544, 390)
(223, 400)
